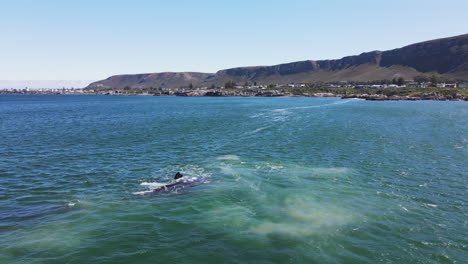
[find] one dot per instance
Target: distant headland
(430, 70)
(437, 61)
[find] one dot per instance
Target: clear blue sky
(91, 40)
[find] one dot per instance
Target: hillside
(447, 57)
(146, 80)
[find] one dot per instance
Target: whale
(177, 185)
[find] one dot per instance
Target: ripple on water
(301, 180)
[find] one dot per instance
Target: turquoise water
(286, 180)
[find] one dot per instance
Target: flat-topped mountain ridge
(447, 57)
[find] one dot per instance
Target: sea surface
(284, 180)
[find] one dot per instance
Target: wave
(281, 114)
(318, 106)
(255, 131)
(342, 101)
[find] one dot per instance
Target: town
(396, 89)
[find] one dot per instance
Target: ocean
(284, 180)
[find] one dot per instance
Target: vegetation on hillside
(403, 91)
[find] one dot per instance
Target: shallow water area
(285, 180)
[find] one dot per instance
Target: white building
(446, 85)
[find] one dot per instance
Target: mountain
(146, 80)
(447, 57)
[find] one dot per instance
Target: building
(358, 86)
(446, 85)
(422, 85)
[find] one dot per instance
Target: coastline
(432, 96)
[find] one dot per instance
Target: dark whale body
(178, 185)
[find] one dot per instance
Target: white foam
(279, 115)
(153, 184)
(257, 115)
(278, 118)
(257, 130)
(143, 193)
(315, 106)
(307, 107)
(276, 167)
(404, 208)
(228, 157)
(71, 204)
(281, 110)
(341, 102)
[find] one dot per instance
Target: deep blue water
(286, 180)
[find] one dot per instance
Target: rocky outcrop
(434, 96)
(440, 97)
(242, 93)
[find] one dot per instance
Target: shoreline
(431, 96)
